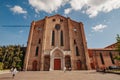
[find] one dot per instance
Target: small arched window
(77, 51)
(61, 38)
(54, 20)
(61, 20)
(74, 41)
(39, 41)
(53, 38)
(36, 52)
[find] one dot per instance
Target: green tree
(1, 66)
(1, 54)
(118, 47)
(118, 42)
(11, 56)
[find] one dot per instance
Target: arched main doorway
(34, 65)
(57, 60)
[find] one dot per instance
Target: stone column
(63, 59)
(51, 63)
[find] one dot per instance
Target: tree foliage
(118, 47)
(118, 42)
(1, 66)
(11, 56)
(117, 57)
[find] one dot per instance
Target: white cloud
(77, 4)
(18, 9)
(93, 7)
(104, 6)
(47, 5)
(99, 28)
(90, 7)
(67, 11)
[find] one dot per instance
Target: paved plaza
(60, 75)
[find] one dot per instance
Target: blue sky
(101, 18)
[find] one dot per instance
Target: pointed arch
(56, 48)
(57, 59)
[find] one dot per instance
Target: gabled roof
(63, 17)
(57, 15)
(112, 45)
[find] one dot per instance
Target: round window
(57, 27)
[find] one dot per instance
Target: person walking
(64, 69)
(14, 71)
(70, 68)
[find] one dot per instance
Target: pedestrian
(64, 69)
(14, 71)
(70, 68)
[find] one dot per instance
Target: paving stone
(60, 75)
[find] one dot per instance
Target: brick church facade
(57, 42)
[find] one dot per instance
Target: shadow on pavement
(5, 78)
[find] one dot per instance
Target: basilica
(57, 42)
